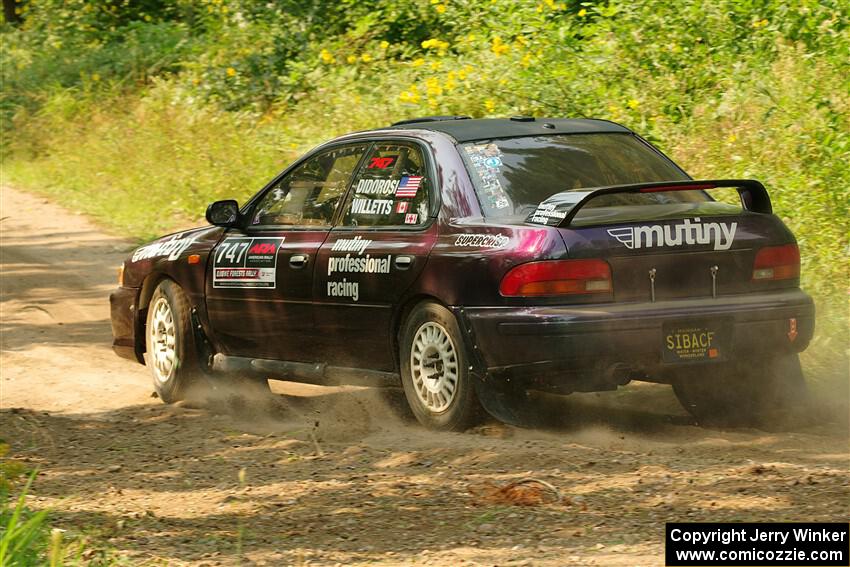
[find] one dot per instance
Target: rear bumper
(124, 315)
(528, 341)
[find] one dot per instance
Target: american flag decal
(408, 186)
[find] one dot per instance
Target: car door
(260, 279)
(374, 255)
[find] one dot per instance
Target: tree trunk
(9, 13)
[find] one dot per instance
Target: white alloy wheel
(162, 340)
(434, 367)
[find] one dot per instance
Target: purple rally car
(474, 261)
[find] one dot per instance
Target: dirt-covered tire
(170, 344)
(435, 370)
(759, 392)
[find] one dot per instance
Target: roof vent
(522, 118)
(429, 119)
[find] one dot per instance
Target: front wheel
(170, 345)
(435, 370)
(755, 392)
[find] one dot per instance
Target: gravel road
(332, 475)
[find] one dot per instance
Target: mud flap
(504, 400)
(222, 383)
(204, 351)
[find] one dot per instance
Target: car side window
(391, 188)
(309, 194)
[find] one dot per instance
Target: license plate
(695, 342)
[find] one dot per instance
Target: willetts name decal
(246, 262)
(689, 232)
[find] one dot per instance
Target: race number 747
(232, 251)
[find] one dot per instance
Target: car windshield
(514, 175)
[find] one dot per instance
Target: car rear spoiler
(561, 208)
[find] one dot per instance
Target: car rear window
(513, 175)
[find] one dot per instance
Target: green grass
(27, 538)
(142, 115)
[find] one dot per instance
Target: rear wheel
(170, 345)
(745, 393)
(435, 370)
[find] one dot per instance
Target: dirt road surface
(331, 475)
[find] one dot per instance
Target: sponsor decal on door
(246, 262)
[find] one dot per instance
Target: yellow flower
(498, 47)
(539, 8)
(582, 13)
(408, 96)
(366, 57)
(526, 60)
(490, 105)
(632, 103)
(418, 62)
(385, 44)
(731, 138)
(435, 65)
(450, 85)
(432, 103)
(231, 72)
(441, 9)
(432, 87)
(95, 77)
(326, 56)
(435, 44)
(463, 73)
(351, 58)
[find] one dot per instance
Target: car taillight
(777, 263)
(557, 277)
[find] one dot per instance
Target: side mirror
(223, 213)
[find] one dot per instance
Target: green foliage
(26, 538)
(185, 102)
(24, 534)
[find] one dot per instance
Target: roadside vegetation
(140, 113)
(25, 537)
